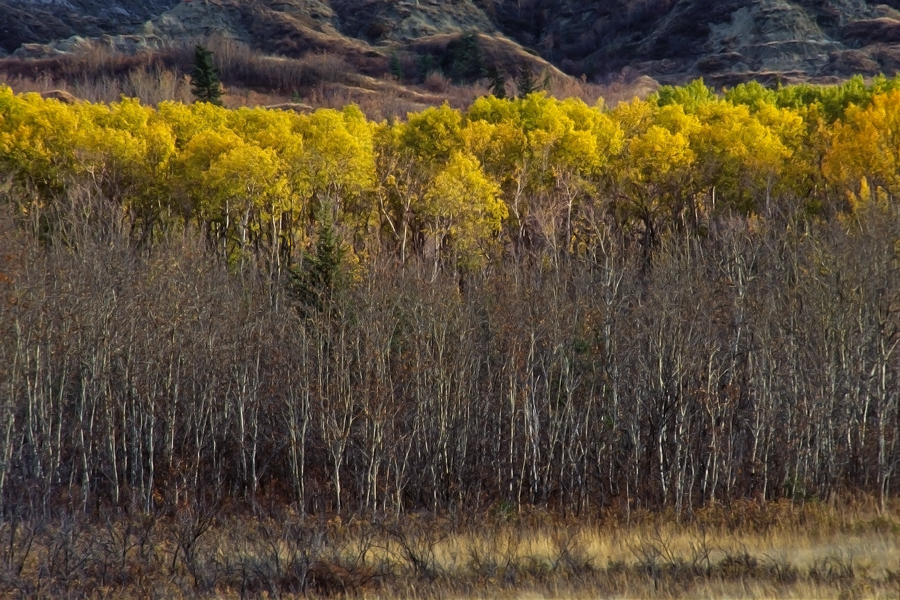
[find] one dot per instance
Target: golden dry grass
(842, 552)
(857, 557)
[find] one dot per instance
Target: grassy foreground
(779, 550)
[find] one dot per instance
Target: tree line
(678, 301)
(461, 188)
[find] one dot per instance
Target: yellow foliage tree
(462, 211)
(434, 134)
(337, 162)
(652, 179)
(247, 185)
(125, 152)
(38, 140)
(549, 152)
(740, 157)
(863, 161)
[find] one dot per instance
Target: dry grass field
(747, 551)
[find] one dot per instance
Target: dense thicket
(682, 300)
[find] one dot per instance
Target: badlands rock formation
(725, 41)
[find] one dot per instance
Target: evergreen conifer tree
(463, 61)
(395, 67)
(205, 83)
(498, 83)
(314, 281)
(526, 83)
(427, 65)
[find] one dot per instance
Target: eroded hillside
(672, 40)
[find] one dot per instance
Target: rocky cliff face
(42, 21)
(725, 41)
